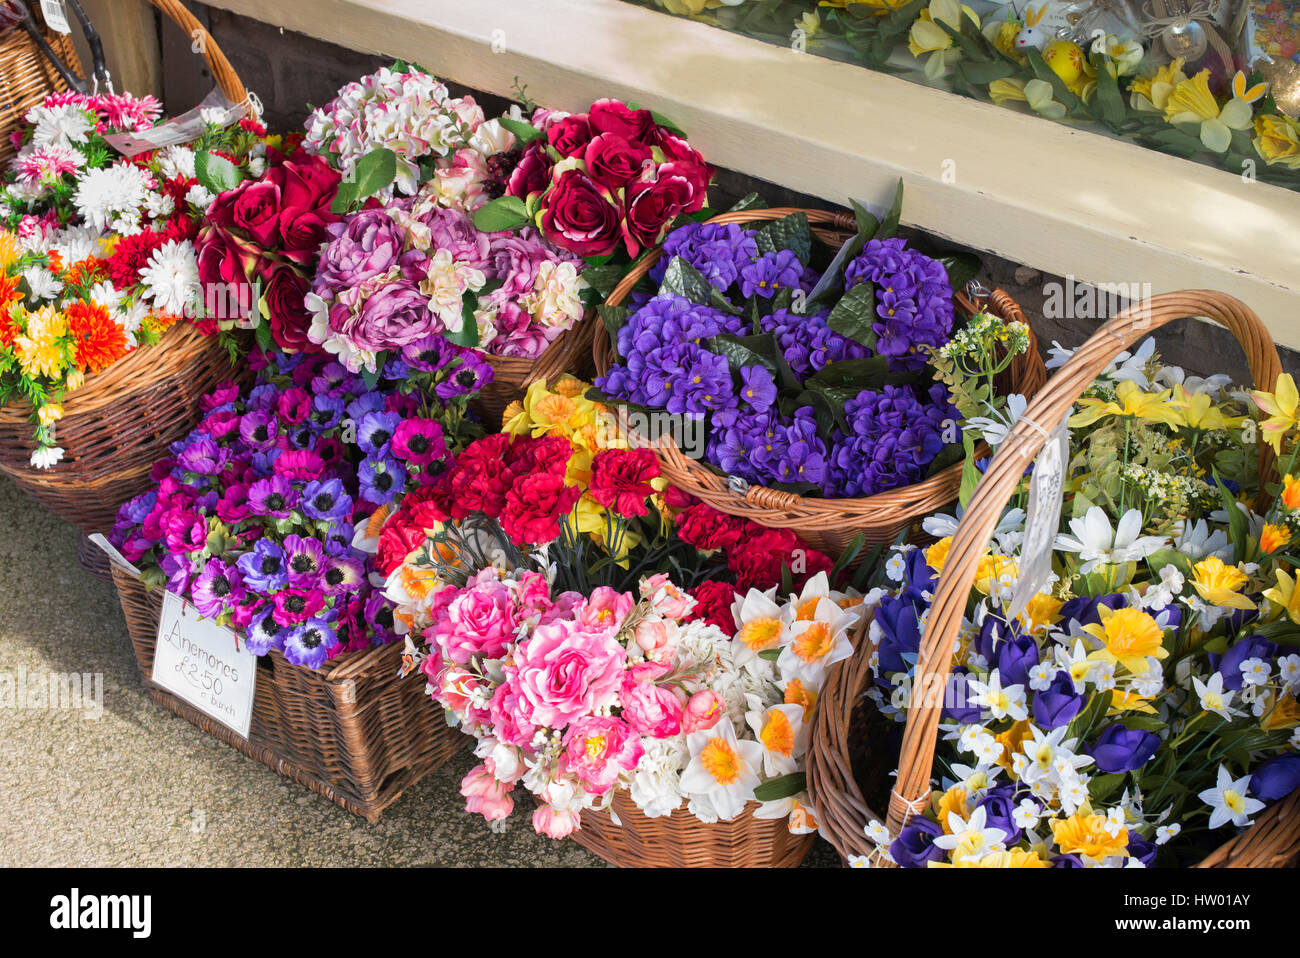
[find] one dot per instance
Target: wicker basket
(353, 732)
(681, 840)
(27, 76)
(570, 352)
(840, 760)
(826, 524)
(114, 428)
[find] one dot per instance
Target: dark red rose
(652, 205)
(256, 211)
(615, 161)
(614, 116)
(580, 215)
(675, 498)
(308, 183)
(301, 233)
(532, 174)
(570, 136)
(289, 318)
(620, 479)
(713, 601)
(224, 266)
(534, 508)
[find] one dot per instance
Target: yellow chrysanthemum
(10, 250)
(1220, 584)
(1084, 833)
(1129, 636)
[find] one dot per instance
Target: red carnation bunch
(755, 554)
(620, 479)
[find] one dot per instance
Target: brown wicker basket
(838, 759)
(681, 840)
(570, 352)
(115, 427)
(27, 76)
(353, 731)
(826, 524)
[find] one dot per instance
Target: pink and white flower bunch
(576, 696)
(436, 137)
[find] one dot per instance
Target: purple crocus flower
(274, 496)
(999, 805)
(326, 500)
(309, 644)
(304, 558)
(914, 846)
(1276, 778)
(263, 569)
(218, 588)
(1252, 647)
(1015, 658)
(1057, 704)
(1120, 749)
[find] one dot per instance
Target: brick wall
(291, 72)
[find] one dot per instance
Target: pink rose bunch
(610, 177)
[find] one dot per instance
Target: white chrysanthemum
(58, 125)
(75, 243)
(42, 282)
(171, 277)
(199, 196)
(106, 294)
(159, 205)
(656, 782)
(176, 161)
(112, 196)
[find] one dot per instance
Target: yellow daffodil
(1130, 401)
(1011, 858)
(1284, 713)
(1036, 93)
(992, 570)
(1003, 36)
(937, 554)
(1121, 702)
(953, 800)
(927, 36)
(1122, 58)
(1277, 139)
(1285, 595)
(689, 8)
(1192, 102)
(1085, 833)
(1128, 636)
(1041, 611)
(1151, 94)
(1280, 406)
(1273, 537)
(810, 23)
(1199, 411)
(1220, 584)
(876, 6)
(1012, 740)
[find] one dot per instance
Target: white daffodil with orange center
(780, 729)
(760, 624)
(811, 646)
(723, 769)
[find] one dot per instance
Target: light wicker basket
(828, 525)
(570, 352)
(27, 76)
(844, 758)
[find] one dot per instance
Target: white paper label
(180, 129)
(56, 16)
(204, 664)
(1043, 519)
(114, 556)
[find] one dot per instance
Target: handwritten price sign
(202, 663)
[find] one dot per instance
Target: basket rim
(857, 507)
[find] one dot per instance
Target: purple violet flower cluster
(259, 515)
(889, 436)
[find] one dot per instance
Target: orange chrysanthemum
(99, 342)
(55, 259)
(86, 272)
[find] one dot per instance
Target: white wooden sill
(1036, 192)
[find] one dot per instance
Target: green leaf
(1108, 97)
(468, 333)
(855, 546)
(770, 654)
(740, 351)
(786, 786)
(867, 222)
(683, 279)
(854, 315)
(962, 268)
(1238, 524)
(855, 375)
(262, 332)
(982, 74)
(614, 318)
(720, 301)
(970, 474)
(524, 132)
(790, 232)
(1041, 70)
(604, 278)
(371, 378)
(750, 201)
(889, 225)
(787, 580)
(948, 455)
(827, 406)
(501, 214)
(1101, 787)
(216, 174)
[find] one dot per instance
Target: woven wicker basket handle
(1023, 442)
(227, 79)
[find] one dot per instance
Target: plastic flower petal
(1280, 406)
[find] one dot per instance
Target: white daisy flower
(171, 277)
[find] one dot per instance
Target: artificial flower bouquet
(97, 251)
(262, 516)
(1141, 707)
(833, 381)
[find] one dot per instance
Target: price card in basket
(1043, 519)
(202, 662)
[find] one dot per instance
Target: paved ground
(129, 787)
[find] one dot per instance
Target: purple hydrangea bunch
(260, 514)
(913, 299)
(763, 427)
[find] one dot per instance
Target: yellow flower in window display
(1151, 94)
(1220, 584)
(691, 8)
(1128, 636)
(1280, 407)
(1122, 57)
(879, 7)
(1038, 94)
(1003, 36)
(1277, 139)
(1192, 102)
(927, 36)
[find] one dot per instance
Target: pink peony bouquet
(575, 696)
